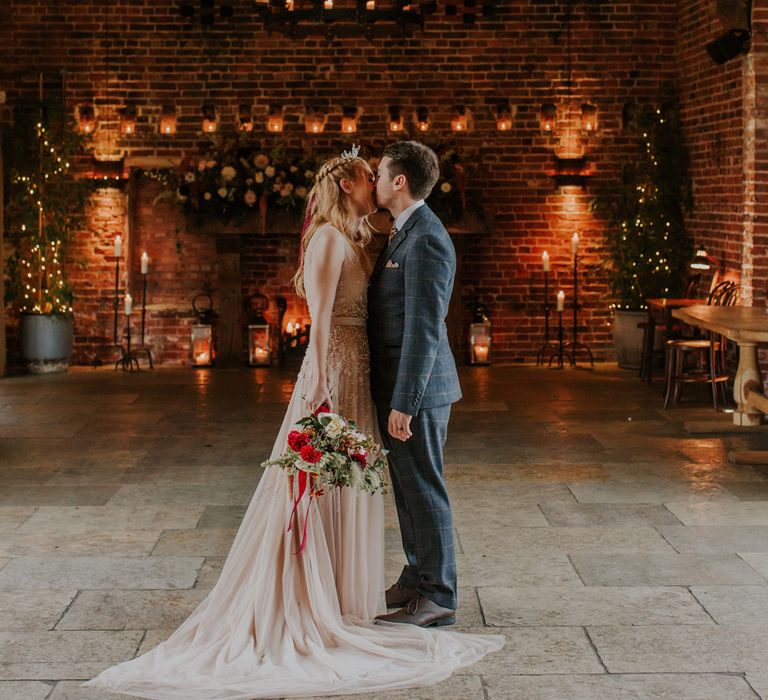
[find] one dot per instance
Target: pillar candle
(561, 300)
(575, 243)
(144, 263)
(118, 245)
(545, 261)
(128, 304)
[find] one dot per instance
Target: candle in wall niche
(118, 246)
(370, 5)
(144, 263)
(128, 304)
(575, 243)
(545, 261)
(561, 300)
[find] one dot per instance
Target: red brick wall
(620, 52)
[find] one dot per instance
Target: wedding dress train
(280, 624)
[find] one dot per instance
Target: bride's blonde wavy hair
(327, 203)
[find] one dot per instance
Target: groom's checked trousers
(423, 508)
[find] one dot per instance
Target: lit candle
(128, 304)
(561, 300)
(575, 243)
(328, 4)
(481, 353)
(545, 261)
(144, 263)
(370, 5)
(118, 245)
(262, 355)
(289, 328)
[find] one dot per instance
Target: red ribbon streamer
(303, 480)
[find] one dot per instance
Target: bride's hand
(318, 396)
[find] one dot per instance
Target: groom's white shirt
(406, 213)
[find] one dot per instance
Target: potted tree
(44, 205)
(648, 246)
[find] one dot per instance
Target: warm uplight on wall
(395, 119)
(86, 118)
(128, 121)
(275, 119)
(503, 118)
(422, 119)
(548, 117)
(168, 121)
(245, 119)
(314, 123)
(460, 121)
(209, 118)
(588, 117)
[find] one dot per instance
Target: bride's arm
(322, 276)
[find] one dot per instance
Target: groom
(414, 380)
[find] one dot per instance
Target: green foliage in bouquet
(649, 248)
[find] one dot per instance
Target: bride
(283, 624)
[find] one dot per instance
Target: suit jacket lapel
(394, 244)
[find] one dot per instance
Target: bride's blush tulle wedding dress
(280, 624)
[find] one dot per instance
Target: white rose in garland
(228, 173)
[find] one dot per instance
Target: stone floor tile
(748, 490)
(721, 514)
(526, 568)
(734, 605)
(759, 681)
(468, 511)
(682, 649)
(182, 494)
(209, 572)
(71, 690)
(64, 647)
(24, 690)
(663, 569)
(453, 688)
(725, 538)
(221, 516)
(558, 606)
(201, 542)
(93, 542)
(52, 670)
(507, 541)
(12, 517)
(110, 517)
(538, 650)
(758, 561)
(699, 686)
(100, 572)
(604, 514)
(647, 492)
(65, 495)
(33, 610)
(125, 609)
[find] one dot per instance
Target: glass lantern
(480, 337)
(202, 345)
(259, 339)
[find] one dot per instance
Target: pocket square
(392, 265)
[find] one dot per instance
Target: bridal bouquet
(327, 452)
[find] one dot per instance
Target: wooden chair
(712, 368)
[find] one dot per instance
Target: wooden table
(660, 309)
(748, 327)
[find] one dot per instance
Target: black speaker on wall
(729, 45)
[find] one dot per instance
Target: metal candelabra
(574, 346)
(541, 354)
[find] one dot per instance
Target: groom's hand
(399, 425)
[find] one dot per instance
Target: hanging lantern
(460, 121)
(86, 119)
(480, 337)
(314, 122)
(503, 118)
(209, 118)
(168, 121)
(395, 119)
(259, 345)
(275, 119)
(349, 120)
(548, 117)
(245, 120)
(422, 119)
(588, 117)
(128, 121)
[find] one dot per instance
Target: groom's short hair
(417, 162)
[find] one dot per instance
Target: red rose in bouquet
(322, 408)
(297, 440)
(360, 458)
(310, 454)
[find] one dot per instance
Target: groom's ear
(400, 182)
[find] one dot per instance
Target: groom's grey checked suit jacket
(413, 371)
(412, 365)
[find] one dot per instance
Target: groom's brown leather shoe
(421, 612)
(398, 595)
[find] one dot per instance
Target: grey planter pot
(46, 342)
(628, 338)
